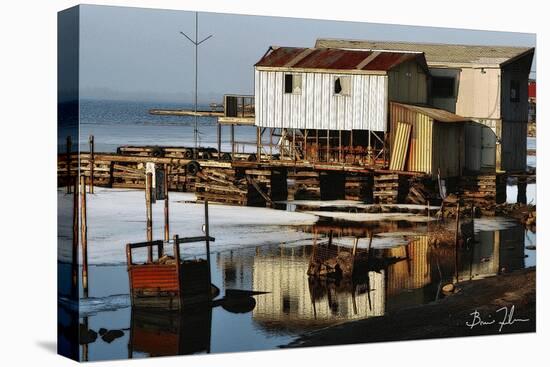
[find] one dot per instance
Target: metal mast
(196, 42)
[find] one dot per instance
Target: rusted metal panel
(156, 277)
(400, 146)
(280, 56)
(336, 59)
(438, 53)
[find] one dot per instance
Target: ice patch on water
(93, 305)
(117, 217)
(493, 224)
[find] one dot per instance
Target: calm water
(404, 276)
(116, 123)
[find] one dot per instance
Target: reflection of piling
(84, 234)
(91, 162)
(369, 251)
(456, 239)
(207, 234)
(166, 211)
(522, 190)
(85, 348)
(74, 262)
(69, 148)
(149, 213)
(353, 253)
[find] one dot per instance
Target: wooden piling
(84, 235)
(457, 225)
(207, 234)
(232, 141)
(258, 143)
(219, 140)
(149, 214)
(68, 149)
(166, 208)
(91, 162)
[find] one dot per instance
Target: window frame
(341, 93)
(294, 86)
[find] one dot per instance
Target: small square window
(514, 91)
(443, 87)
(293, 83)
(342, 86)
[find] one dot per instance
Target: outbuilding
(486, 84)
(434, 141)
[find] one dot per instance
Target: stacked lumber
(389, 188)
(359, 187)
(249, 187)
(221, 186)
(304, 185)
(483, 191)
(181, 180)
(102, 170)
(128, 175)
(423, 190)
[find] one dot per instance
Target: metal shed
(434, 142)
(311, 101)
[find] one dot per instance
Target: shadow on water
(404, 275)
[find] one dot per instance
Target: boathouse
(332, 105)
(487, 84)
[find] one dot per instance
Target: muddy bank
(453, 316)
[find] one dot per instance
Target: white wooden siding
(316, 107)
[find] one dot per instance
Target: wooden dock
(219, 178)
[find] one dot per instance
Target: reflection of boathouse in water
(295, 301)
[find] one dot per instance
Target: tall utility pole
(196, 42)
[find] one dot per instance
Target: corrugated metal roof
(436, 53)
(435, 113)
(336, 59)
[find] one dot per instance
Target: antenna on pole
(196, 42)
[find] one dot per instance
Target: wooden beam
(149, 214)
(84, 235)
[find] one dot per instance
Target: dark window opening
(337, 86)
(293, 83)
(514, 91)
(342, 86)
(288, 83)
(443, 87)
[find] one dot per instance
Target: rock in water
(87, 336)
(111, 335)
(448, 288)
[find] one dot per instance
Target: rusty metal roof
(336, 59)
(435, 113)
(435, 53)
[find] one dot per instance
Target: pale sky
(139, 54)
